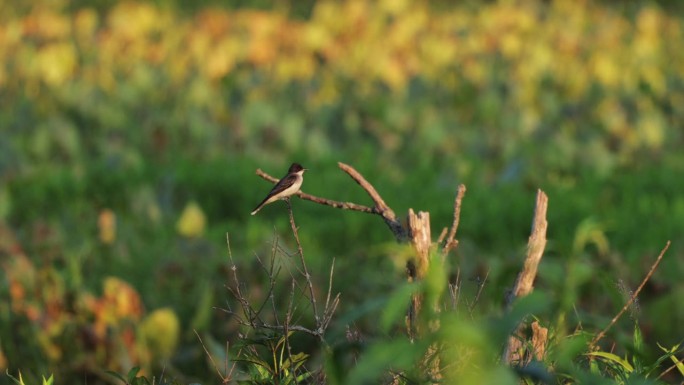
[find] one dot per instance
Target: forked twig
(229, 374)
(631, 300)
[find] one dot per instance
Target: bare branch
(380, 206)
(631, 299)
(319, 200)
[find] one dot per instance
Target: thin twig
(288, 317)
(223, 379)
(272, 276)
(455, 289)
(265, 325)
(479, 292)
(307, 276)
(330, 281)
(632, 298)
(271, 272)
(237, 293)
(330, 307)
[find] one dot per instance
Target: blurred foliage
(130, 132)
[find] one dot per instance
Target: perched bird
(290, 184)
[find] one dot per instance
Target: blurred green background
(130, 133)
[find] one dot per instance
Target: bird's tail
(262, 204)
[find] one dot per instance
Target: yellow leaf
(106, 224)
(192, 221)
(57, 62)
(160, 331)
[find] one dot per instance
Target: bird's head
(296, 168)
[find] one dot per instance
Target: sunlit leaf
(192, 221)
(610, 357)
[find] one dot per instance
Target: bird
(286, 187)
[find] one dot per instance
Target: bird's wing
(283, 184)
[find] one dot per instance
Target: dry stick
(450, 242)
(525, 281)
(632, 298)
(535, 249)
(307, 276)
(442, 235)
(380, 206)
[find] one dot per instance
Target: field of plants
(130, 138)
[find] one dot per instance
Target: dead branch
(632, 298)
(419, 228)
(535, 250)
(380, 207)
(525, 281)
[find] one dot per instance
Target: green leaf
(638, 347)
(398, 354)
(673, 357)
(435, 282)
(396, 306)
(610, 357)
(533, 304)
(19, 381)
(132, 374)
(569, 348)
(117, 375)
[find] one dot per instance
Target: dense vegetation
(130, 133)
